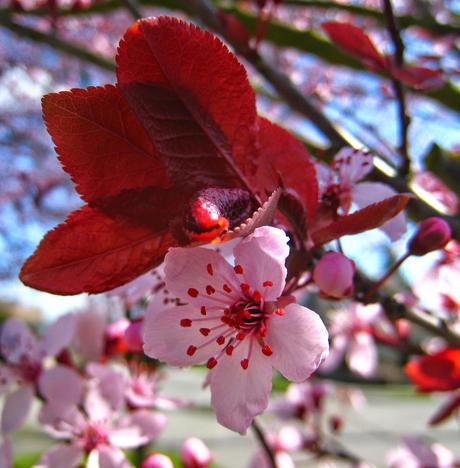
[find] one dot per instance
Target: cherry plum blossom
(234, 322)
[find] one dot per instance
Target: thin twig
(263, 442)
(404, 120)
(133, 8)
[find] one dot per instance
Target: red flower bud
(433, 234)
(333, 274)
(133, 336)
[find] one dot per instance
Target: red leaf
(445, 410)
(436, 372)
(283, 159)
(93, 252)
(101, 143)
(194, 99)
(356, 42)
(368, 218)
(420, 78)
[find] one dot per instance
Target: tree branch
(404, 120)
(263, 442)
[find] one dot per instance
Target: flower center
(93, 437)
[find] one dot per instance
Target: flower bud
(333, 274)
(115, 337)
(433, 234)
(195, 454)
(157, 460)
(133, 336)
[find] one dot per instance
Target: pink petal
(58, 335)
(137, 428)
(198, 276)
(60, 420)
(7, 378)
(337, 350)
(165, 339)
(17, 342)
(366, 193)
(238, 395)
(61, 384)
(262, 256)
(6, 453)
(299, 341)
(352, 165)
(16, 408)
(89, 334)
(61, 456)
(111, 457)
(362, 355)
(111, 383)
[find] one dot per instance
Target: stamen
(210, 290)
(212, 362)
(238, 269)
(241, 336)
(220, 340)
(267, 284)
(205, 331)
(209, 268)
(227, 288)
(244, 287)
(280, 311)
(267, 350)
(244, 363)
(185, 323)
(203, 310)
(192, 292)
(229, 350)
(257, 296)
(191, 350)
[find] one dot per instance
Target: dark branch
(259, 433)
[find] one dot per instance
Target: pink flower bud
(433, 234)
(115, 337)
(133, 336)
(157, 460)
(195, 454)
(333, 274)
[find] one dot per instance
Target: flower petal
(137, 428)
(362, 355)
(352, 165)
(237, 394)
(299, 341)
(61, 456)
(61, 384)
(58, 335)
(199, 275)
(165, 339)
(262, 256)
(111, 457)
(16, 408)
(17, 343)
(89, 334)
(366, 193)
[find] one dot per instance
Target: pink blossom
(100, 432)
(333, 275)
(352, 337)
(340, 184)
(232, 321)
(195, 454)
(23, 356)
(415, 454)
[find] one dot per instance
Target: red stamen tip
(238, 269)
(280, 311)
(241, 336)
(220, 340)
(267, 284)
(267, 350)
(227, 288)
(192, 292)
(245, 363)
(244, 287)
(209, 269)
(212, 362)
(185, 323)
(203, 310)
(205, 331)
(191, 350)
(257, 296)
(210, 290)
(229, 350)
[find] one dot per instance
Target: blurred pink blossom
(232, 321)
(195, 454)
(157, 460)
(333, 274)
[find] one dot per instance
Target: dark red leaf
(370, 217)
(284, 161)
(93, 252)
(194, 99)
(420, 78)
(356, 42)
(436, 372)
(101, 143)
(445, 410)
